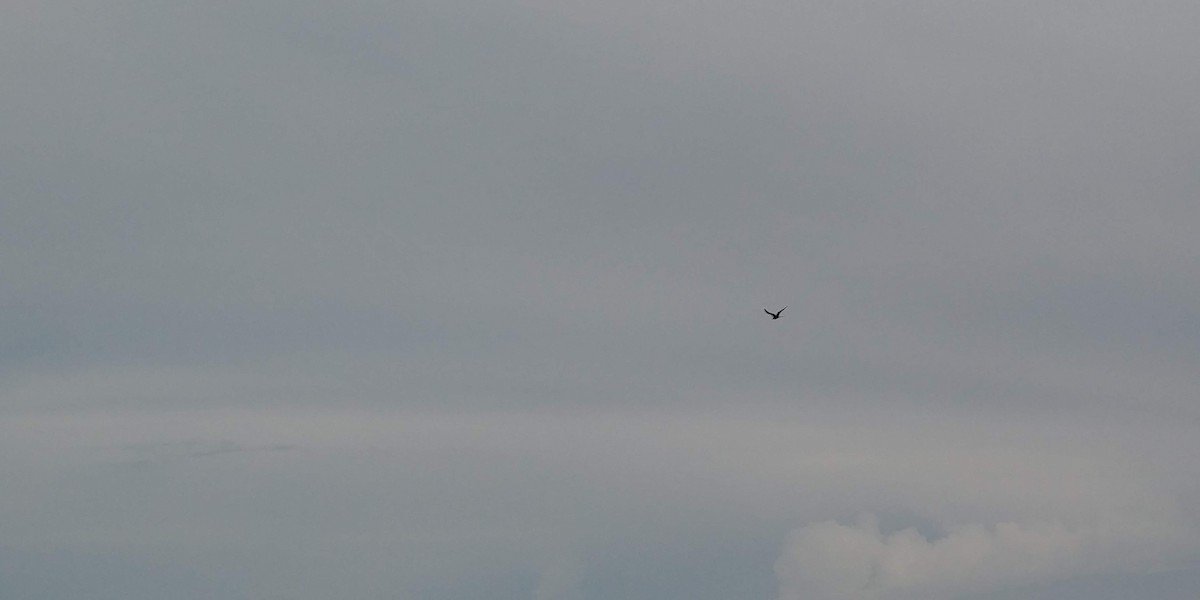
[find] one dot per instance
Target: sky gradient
(460, 300)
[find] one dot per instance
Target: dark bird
(775, 315)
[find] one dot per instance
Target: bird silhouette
(775, 315)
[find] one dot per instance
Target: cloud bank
(830, 561)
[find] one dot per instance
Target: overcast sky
(450, 300)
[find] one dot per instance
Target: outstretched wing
(781, 310)
(768, 312)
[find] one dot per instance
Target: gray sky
(463, 300)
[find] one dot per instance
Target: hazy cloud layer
(445, 299)
(599, 505)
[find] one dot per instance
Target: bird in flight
(775, 315)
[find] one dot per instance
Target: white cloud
(829, 561)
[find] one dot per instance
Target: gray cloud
(560, 581)
(499, 271)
